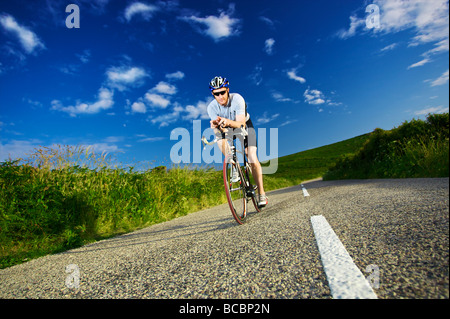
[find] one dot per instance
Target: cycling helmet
(218, 82)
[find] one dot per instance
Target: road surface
(397, 227)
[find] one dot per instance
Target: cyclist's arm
(240, 121)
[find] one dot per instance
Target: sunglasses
(219, 93)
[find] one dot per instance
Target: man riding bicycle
(229, 110)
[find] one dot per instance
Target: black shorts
(249, 140)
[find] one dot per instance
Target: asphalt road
(400, 226)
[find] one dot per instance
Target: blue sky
(318, 71)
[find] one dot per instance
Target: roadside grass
(414, 149)
(68, 196)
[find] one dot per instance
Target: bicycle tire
(235, 191)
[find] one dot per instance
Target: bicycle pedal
(251, 193)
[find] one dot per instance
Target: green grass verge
(414, 149)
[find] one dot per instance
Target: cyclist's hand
(219, 122)
(223, 122)
(215, 123)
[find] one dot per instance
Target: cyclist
(229, 110)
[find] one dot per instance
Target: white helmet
(218, 82)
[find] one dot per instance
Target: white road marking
(346, 281)
(305, 192)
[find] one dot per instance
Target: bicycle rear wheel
(235, 190)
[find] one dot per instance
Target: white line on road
(305, 192)
(346, 281)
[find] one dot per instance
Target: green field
(65, 197)
(296, 168)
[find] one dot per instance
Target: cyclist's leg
(224, 146)
(256, 168)
(222, 142)
(251, 147)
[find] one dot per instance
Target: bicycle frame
(232, 148)
(244, 173)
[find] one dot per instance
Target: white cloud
(198, 111)
(113, 139)
(165, 88)
(188, 113)
(175, 76)
(157, 100)
(166, 119)
(145, 10)
(16, 149)
(158, 96)
(34, 104)
(314, 97)
(104, 102)
(389, 47)
(256, 75)
(329, 102)
(268, 46)
(138, 107)
(293, 76)
(420, 63)
(84, 56)
(432, 109)
(74, 68)
(217, 27)
(151, 139)
(441, 46)
(266, 118)
(103, 147)
(428, 19)
(267, 21)
(355, 23)
(443, 79)
(287, 123)
(280, 97)
(28, 39)
(123, 77)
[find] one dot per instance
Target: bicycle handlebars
(243, 132)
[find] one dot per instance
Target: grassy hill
(298, 167)
(414, 149)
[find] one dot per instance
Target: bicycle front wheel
(235, 189)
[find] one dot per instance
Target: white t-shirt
(235, 106)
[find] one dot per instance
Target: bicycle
(237, 182)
